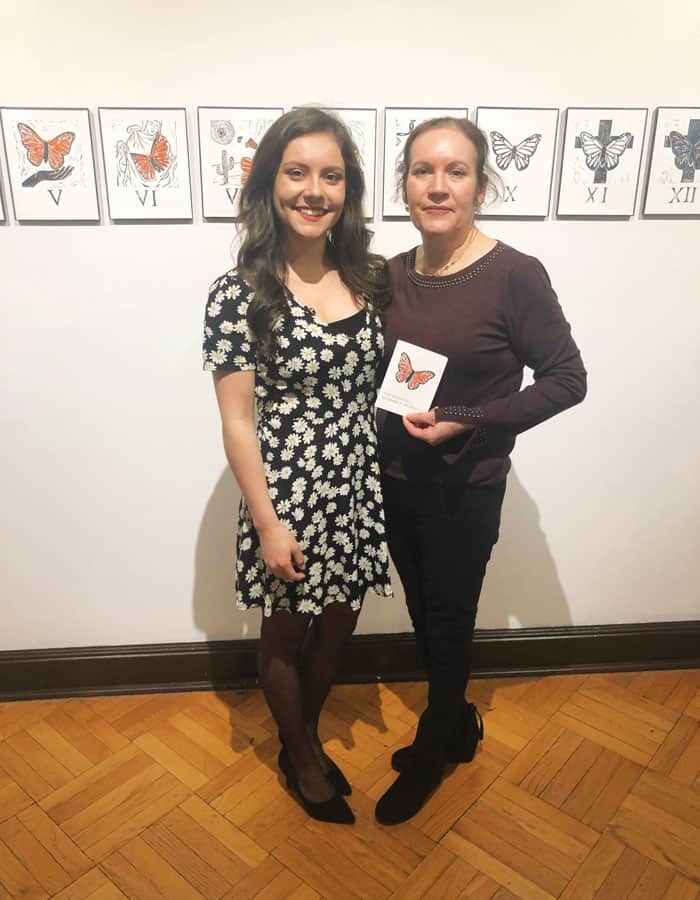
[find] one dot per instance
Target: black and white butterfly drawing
(605, 156)
(521, 153)
(686, 155)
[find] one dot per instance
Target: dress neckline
(312, 312)
(462, 275)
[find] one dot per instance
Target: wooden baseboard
(82, 671)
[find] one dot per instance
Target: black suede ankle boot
(462, 745)
(410, 791)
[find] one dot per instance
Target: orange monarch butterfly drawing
(406, 373)
(246, 166)
(157, 160)
(40, 151)
(247, 162)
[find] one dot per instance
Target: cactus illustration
(226, 166)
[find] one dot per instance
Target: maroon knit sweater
(490, 320)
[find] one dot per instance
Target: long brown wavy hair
(261, 259)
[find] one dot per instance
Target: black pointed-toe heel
(334, 773)
(336, 777)
(462, 747)
(334, 810)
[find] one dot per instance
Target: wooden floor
(584, 787)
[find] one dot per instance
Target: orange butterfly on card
(40, 151)
(157, 160)
(406, 373)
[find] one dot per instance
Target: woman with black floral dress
(294, 334)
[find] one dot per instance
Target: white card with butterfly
(521, 144)
(601, 161)
(673, 185)
(146, 158)
(50, 164)
(412, 379)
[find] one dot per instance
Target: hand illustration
(47, 175)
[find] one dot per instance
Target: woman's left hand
(422, 425)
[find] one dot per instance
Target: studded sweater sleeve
(540, 338)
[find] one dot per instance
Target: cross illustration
(693, 138)
(604, 132)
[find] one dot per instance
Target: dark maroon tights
(298, 659)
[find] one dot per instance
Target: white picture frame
(601, 161)
(399, 121)
(50, 164)
(228, 138)
(362, 124)
(673, 179)
(146, 162)
(2, 201)
(522, 143)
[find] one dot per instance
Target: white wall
(118, 508)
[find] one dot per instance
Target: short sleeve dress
(315, 399)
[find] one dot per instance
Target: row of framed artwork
(50, 160)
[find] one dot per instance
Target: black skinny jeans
(440, 538)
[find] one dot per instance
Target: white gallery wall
(118, 511)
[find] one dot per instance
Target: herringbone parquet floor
(585, 787)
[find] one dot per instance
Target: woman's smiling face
(309, 189)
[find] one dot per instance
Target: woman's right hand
(281, 552)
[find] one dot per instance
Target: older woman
(492, 311)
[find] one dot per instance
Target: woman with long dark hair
(491, 311)
(294, 333)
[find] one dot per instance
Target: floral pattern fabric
(315, 403)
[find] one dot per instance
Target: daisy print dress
(315, 425)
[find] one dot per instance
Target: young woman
(295, 333)
(491, 310)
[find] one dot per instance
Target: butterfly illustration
(406, 373)
(158, 159)
(246, 166)
(686, 155)
(604, 156)
(251, 144)
(39, 151)
(506, 152)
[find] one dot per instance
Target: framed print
(601, 161)
(363, 127)
(147, 166)
(521, 150)
(51, 167)
(399, 122)
(228, 139)
(673, 182)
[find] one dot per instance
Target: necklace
(456, 258)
